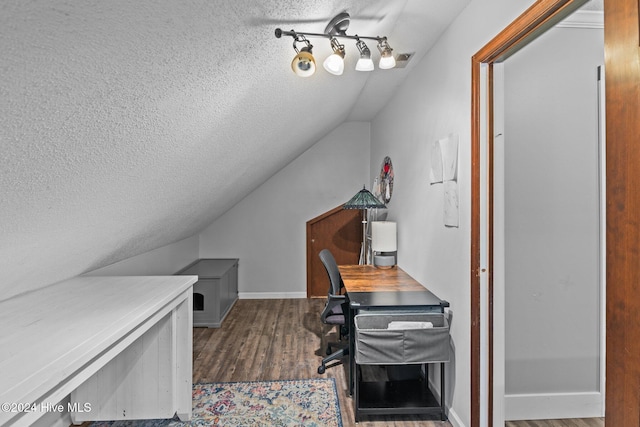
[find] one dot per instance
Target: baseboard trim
(272, 295)
(454, 419)
(452, 415)
(553, 406)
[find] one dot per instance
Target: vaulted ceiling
(128, 125)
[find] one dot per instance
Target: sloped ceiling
(129, 125)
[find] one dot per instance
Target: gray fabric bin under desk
(375, 344)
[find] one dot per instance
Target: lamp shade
(364, 200)
(387, 62)
(334, 64)
(384, 236)
(364, 64)
(303, 64)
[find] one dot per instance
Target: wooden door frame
(622, 73)
(541, 16)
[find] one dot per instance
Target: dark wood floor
(278, 339)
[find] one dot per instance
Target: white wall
(165, 260)
(551, 231)
(267, 229)
(433, 102)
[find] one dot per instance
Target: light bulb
(364, 64)
(303, 64)
(334, 64)
(387, 62)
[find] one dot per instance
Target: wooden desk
(367, 278)
(392, 289)
(106, 341)
(388, 289)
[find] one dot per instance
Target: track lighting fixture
(386, 56)
(304, 64)
(335, 62)
(365, 63)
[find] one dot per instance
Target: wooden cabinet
(340, 231)
(216, 290)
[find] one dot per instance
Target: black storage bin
(376, 344)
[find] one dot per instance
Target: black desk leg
(352, 337)
(442, 395)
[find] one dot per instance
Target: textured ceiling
(128, 125)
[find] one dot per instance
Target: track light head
(335, 62)
(387, 60)
(364, 63)
(303, 64)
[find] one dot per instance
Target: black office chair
(335, 311)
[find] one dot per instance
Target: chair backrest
(331, 266)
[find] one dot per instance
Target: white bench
(121, 347)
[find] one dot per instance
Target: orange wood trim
(539, 17)
(622, 74)
(475, 244)
(490, 140)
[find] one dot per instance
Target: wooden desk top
(367, 278)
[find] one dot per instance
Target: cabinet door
(340, 231)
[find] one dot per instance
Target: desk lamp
(364, 200)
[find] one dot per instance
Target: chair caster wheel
(321, 369)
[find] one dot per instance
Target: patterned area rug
(309, 403)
